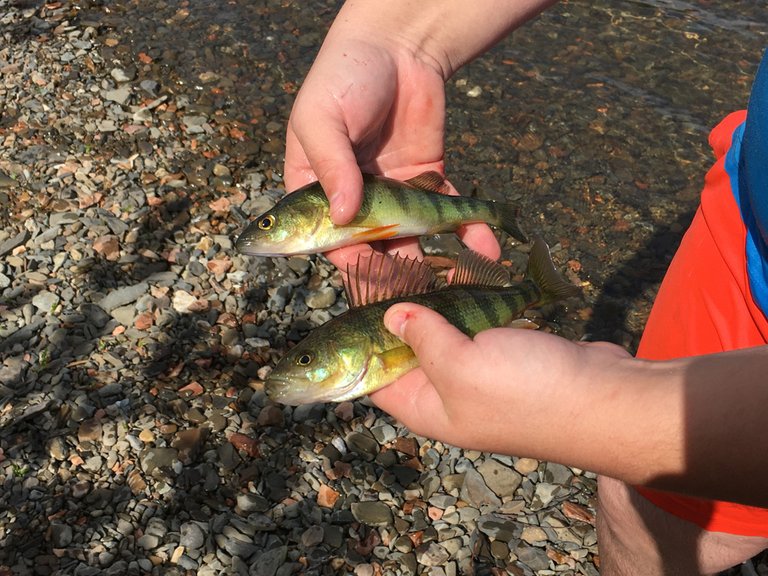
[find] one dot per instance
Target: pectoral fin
(397, 360)
(377, 233)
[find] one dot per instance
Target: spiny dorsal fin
(431, 181)
(378, 277)
(476, 269)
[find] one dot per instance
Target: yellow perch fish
(300, 223)
(354, 354)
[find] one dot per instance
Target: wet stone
(363, 444)
(372, 513)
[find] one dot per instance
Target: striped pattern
(390, 209)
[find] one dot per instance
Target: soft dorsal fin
(476, 269)
(378, 277)
(431, 181)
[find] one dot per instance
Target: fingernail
(395, 322)
(338, 208)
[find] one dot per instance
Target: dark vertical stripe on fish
(402, 199)
(438, 206)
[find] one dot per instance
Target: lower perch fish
(353, 354)
(300, 223)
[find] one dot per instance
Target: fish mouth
(245, 246)
(279, 389)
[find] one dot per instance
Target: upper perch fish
(300, 223)
(354, 354)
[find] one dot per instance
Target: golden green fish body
(300, 223)
(354, 354)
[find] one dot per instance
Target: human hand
(373, 105)
(492, 392)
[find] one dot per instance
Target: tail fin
(542, 271)
(508, 221)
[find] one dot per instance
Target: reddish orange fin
(377, 233)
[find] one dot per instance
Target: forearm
(446, 33)
(695, 425)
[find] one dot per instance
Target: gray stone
(119, 95)
(122, 296)
(45, 301)
(153, 459)
(501, 479)
(312, 536)
(148, 542)
(554, 473)
(475, 492)
(431, 554)
(535, 558)
(61, 535)
(384, 433)
(191, 536)
(322, 298)
(363, 444)
(268, 563)
(499, 528)
(544, 494)
(248, 502)
(372, 513)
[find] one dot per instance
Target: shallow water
(593, 117)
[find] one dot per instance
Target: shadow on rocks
(634, 285)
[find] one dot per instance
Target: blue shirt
(747, 166)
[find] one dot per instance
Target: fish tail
(508, 221)
(542, 271)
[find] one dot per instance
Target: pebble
(476, 492)
(431, 554)
(500, 478)
(192, 535)
(135, 436)
(372, 513)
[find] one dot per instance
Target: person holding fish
(660, 428)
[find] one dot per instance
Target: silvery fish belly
(300, 223)
(354, 354)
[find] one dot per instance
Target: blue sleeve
(753, 162)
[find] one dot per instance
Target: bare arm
(693, 425)
(374, 97)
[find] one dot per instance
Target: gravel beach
(135, 437)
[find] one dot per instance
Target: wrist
(635, 408)
(444, 35)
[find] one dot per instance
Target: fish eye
(266, 222)
(304, 360)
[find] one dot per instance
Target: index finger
(324, 153)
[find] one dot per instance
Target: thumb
(328, 151)
(438, 344)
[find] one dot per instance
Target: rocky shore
(134, 434)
